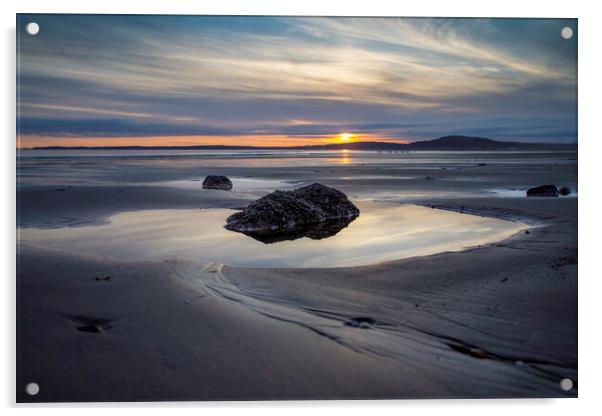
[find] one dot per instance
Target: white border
(590, 154)
(458, 8)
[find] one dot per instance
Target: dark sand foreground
(493, 321)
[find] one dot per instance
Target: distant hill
(460, 143)
(447, 143)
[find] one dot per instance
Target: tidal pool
(382, 232)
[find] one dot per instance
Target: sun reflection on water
(345, 157)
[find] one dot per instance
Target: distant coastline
(450, 143)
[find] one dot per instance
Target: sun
(342, 138)
(345, 137)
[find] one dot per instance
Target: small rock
(103, 278)
(564, 190)
(217, 182)
(543, 190)
(527, 232)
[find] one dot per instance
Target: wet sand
(499, 320)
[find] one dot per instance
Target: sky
(90, 80)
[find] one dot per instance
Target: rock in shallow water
(564, 190)
(315, 211)
(217, 182)
(543, 190)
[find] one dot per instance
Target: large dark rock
(217, 182)
(543, 190)
(315, 211)
(315, 231)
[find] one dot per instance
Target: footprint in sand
(90, 324)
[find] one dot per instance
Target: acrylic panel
(281, 207)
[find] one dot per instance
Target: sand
(499, 320)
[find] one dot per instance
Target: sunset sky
(178, 80)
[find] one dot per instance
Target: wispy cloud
(243, 74)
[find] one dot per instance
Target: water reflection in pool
(382, 232)
(319, 231)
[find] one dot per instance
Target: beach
(497, 319)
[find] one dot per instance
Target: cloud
(243, 74)
(114, 128)
(99, 129)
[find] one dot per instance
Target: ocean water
(119, 167)
(302, 156)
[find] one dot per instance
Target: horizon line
(338, 145)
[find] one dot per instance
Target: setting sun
(345, 137)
